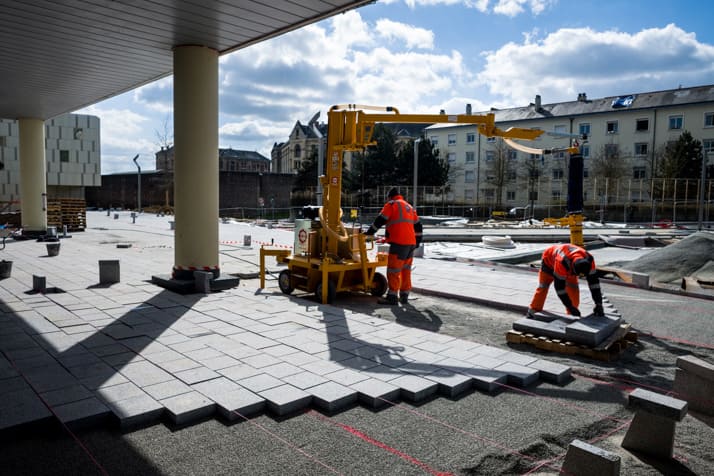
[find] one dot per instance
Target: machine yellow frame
(350, 128)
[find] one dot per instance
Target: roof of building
(585, 106)
(241, 154)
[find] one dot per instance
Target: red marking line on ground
(380, 444)
(674, 339)
(286, 442)
(44, 402)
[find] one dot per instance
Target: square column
(33, 176)
(195, 161)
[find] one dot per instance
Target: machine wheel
(331, 292)
(379, 285)
(284, 282)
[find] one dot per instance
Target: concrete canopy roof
(58, 56)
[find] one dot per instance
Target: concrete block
(188, 407)
(519, 374)
(415, 388)
(551, 371)
(108, 271)
(592, 330)
(39, 283)
(584, 459)
(696, 366)
(696, 390)
(82, 413)
(650, 434)
(233, 401)
(657, 404)
(333, 397)
(376, 393)
(286, 399)
(202, 281)
(641, 280)
(450, 383)
(136, 411)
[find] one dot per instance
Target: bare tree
(500, 168)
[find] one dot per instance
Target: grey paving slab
(136, 411)
(188, 407)
(551, 371)
(159, 391)
(304, 380)
(592, 330)
(376, 393)
(260, 382)
(233, 401)
(286, 399)
(82, 413)
(451, 384)
(145, 373)
(20, 407)
(118, 392)
(414, 388)
(66, 395)
(333, 397)
(196, 375)
(519, 374)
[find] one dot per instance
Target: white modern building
(72, 152)
(633, 126)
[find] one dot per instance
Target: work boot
(530, 314)
(403, 297)
(390, 300)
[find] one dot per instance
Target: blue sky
(425, 55)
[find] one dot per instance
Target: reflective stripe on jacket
(400, 219)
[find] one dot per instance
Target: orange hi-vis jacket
(560, 259)
(401, 221)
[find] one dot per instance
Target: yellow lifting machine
(337, 258)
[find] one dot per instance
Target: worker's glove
(370, 231)
(574, 311)
(599, 311)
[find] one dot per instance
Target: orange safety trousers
(544, 282)
(399, 273)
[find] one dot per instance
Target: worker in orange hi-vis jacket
(403, 233)
(562, 265)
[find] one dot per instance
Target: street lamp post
(416, 169)
(138, 186)
(705, 160)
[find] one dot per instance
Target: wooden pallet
(67, 211)
(610, 349)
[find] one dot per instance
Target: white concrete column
(33, 176)
(195, 161)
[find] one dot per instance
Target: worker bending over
(403, 233)
(562, 265)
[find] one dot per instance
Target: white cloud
(604, 63)
(509, 8)
(413, 37)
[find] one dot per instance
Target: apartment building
(72, 152)
(632, 126)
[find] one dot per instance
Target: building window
(511, 175)
(642, 125)
(676, 122)
(555, 195)
(510, 195)
(641, 149)
(232, 165)
(611, 150)
(452, 139)
(611, 127)
(560, 128)
(434, 140)
(468, 194)
(490, 155)
(584, 129)
(470, 157)
(297, 151)
(709, 119)
(489, 193)
(586, 151)
(469, 176)
(64, 156)
(512, 154)
(586, 174)
(296, 165)
(557, 174)
(470, 137)
(639, 173)
(490, 140)
(559, 155)
(451, 157)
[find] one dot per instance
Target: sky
(422, 56)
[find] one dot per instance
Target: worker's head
(393, 192)
(582, 266)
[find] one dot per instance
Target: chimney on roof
(468, 109)
(442, 111)
(582, 97)
(537, 102)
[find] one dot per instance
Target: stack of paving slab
(590, 330)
